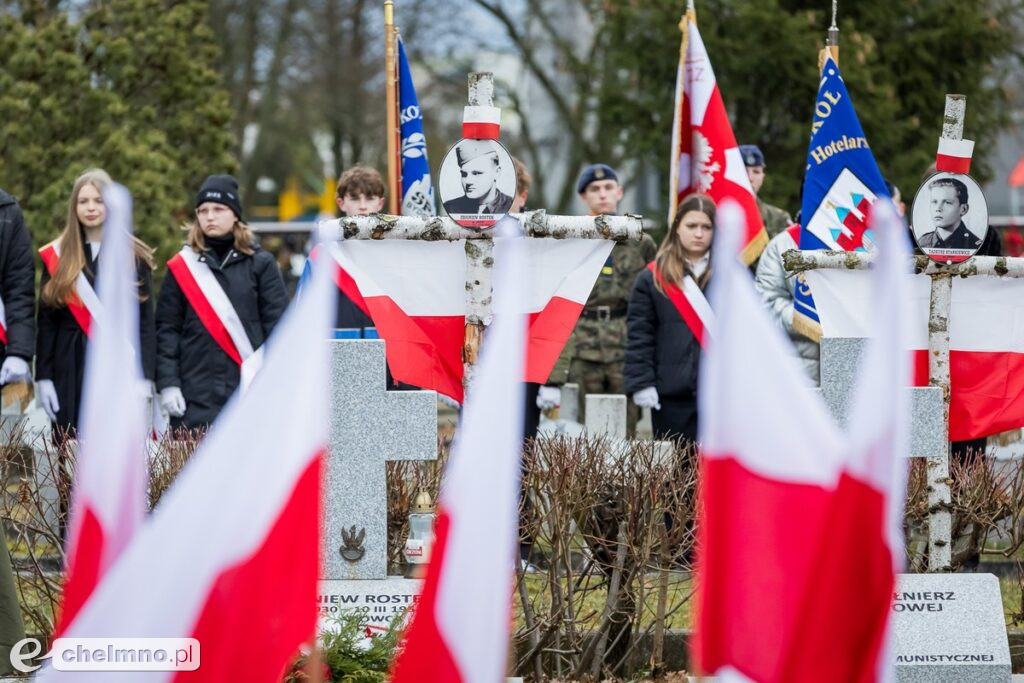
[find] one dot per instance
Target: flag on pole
(230, 557)
(417, 188)
(460, 628)
(109, 498)
(841, 184)
(705, 156)
(415, 293)
(818, 511)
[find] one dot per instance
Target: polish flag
(415, 292)
(109, 498)
(800, 522)
(460, 628)
(705, 156)
(986, 358)
(954, 156)
(230, 556)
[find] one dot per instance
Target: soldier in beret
(775, 219)
(598, 344)
(480, 168)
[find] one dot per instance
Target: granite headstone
(949, 628)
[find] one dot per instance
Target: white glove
(549, 397)
(14, 369)
(172, 401)
(647, 398)
(46, 394)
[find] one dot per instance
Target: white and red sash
(691, 304)
(83, 302)
(215, 310)
(3, 323)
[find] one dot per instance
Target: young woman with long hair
(219, 302)
(662, 350)
(66, 294)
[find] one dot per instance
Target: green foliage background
(127, 85)
(898, 59)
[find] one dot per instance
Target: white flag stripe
(480, 490)
(546, 261)
(219, 301)
(479, 114)
(746, 337)
(987, 312)
(422, 278)
(111, 470)
(700, 75)
(223, 503)
(962, 149)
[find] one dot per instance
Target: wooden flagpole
(391, 98)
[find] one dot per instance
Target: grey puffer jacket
(775, 285)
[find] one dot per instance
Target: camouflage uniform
(599, 340)
(775, 219)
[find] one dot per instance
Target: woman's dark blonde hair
(197, 240)
(71, 243)
(671, 260)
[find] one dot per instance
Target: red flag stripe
(204, 311)
(549, 330)
(85, 561)
(248, 603)
(426, 657)
(810, 576)
(74, 303)
(951, 164)
(481, 131)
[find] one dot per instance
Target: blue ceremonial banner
(417, 189)
(841, 184)
(842, 179)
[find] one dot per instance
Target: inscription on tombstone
(949, 627)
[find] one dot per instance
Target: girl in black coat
(60, 339)
(662, 354)
(195, 375)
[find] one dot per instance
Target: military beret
(467, 150)
(752, 155)
(595, 172)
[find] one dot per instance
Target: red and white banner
(230, 556)
(415, 293)
(460, 628)
(705, 156)
(83, 304)
(481, 123)
(109, 498)
(986, 343)
(691, 303)
(3, 323)
(215, 310)
(799, 521)
(954, 156)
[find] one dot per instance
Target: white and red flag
(799, 522)
(460, 628)
(230, 556)
(986, 356)
(109, 498)
(416, 295)
(705, 156)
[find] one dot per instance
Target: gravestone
(840, 365)
(369, 426)
(606, 415)
(949, 628)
